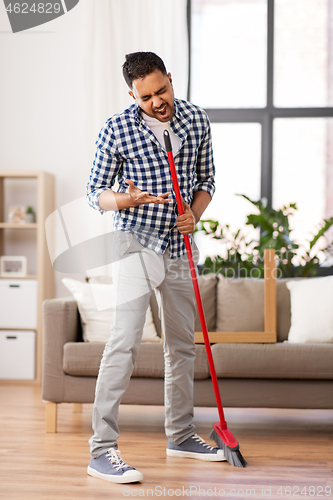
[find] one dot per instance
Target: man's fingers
(186, 229)
(182, 218)
(163, 196)
(157, 199)
(183, 223)
(160, 199)
(131, 186)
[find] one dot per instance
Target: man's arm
(110, 200)
(201, 200)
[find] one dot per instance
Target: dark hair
(141, 64)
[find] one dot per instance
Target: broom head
(225, 440)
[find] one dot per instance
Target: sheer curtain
(114, 28)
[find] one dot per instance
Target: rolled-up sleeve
(205, 168)
(107, 163)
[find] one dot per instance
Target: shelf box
(17, 354)
(18, 303)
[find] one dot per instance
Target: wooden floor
(289, 454)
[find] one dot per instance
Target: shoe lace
(203, 442)
(115, 459)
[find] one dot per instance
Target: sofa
(250, 374)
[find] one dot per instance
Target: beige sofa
(273, 375)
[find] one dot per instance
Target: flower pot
(30, 218)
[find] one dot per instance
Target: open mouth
(163, 111)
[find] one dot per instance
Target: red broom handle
(194, 278)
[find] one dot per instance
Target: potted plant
(243, 258)
(30, 216)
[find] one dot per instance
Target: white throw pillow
(94, 302)
(311, 310)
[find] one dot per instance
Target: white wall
(52, 106)
(41, 103)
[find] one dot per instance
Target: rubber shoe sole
(130, 476)
(206, 457)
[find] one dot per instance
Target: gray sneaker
(195, 447)
(111, 467)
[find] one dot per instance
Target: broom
(220, 433)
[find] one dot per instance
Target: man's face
(154, 95)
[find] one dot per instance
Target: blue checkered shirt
(128, 149)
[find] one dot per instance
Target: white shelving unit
(23, 297)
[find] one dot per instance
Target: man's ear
(131, 94)
(170, 79)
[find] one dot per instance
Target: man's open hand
(142, 197)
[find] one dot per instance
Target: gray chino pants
(136, 273)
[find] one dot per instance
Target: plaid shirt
(127, 149)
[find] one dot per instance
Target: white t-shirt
(158, 128)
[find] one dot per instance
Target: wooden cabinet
(27, 239)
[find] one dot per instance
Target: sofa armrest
(60, 325)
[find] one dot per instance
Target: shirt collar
(180, 122)
(137, 113)
(176, 112)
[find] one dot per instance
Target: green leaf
(322, 231)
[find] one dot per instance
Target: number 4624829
(307, 491)
(40, 8)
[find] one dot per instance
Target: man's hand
(186, 223)
(142, 197)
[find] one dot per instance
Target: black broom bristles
(232, 455)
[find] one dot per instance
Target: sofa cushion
(83, 359)
(311, 310)
(276, 361)
(240, 306)
(207, 287)
(94, 300)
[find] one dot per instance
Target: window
(263, 71)
(300, 170)
(229, 44)
(303, 48)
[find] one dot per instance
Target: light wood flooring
(289, 454)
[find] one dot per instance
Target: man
(149, 253)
